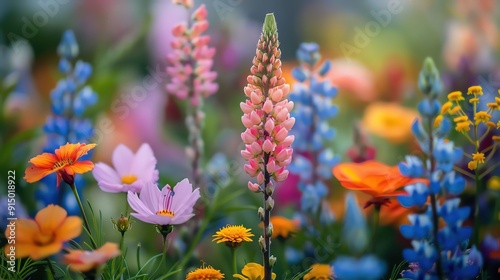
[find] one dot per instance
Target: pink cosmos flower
(168, 206)
(131, 171)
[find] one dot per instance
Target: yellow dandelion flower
(319, 272)
(438, 120)
(252, 271)
(233, 235)
(461, 119)
(455, 110)
(493, 105)
(476, 90)
(474, 100)
(479, 157)
(205, 273)
(494, 183)
(482, 116)
(462, 126)
(472, 165)
(455, 96)
(446, 107)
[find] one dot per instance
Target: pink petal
(181, 219)
(151, 197)
(103, 172)
(182, 190)
(144, 163)
(110, 187)
(188, 203)
(122, 158)
(137, 205)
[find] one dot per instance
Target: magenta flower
(191, 59)
(169, 206)
(131, 171)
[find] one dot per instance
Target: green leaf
(299, 276)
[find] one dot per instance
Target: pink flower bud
(200, 13)
(179, 30)
(282, 115)
(269, 126)
(253, 187)
(273, 81)
(284, 163)
(268, 106)
(198, 28)
(288, 124)
(255, 118)
(246, 108)
(281, 135)
(268, 146)
(256, 99)
(285, 89)
(248, 137)
(288, 141)
(246, 154)
(260, 178)
(255, 148)
(271, 166)
(245, 119)
(283, 154)
(281, 175)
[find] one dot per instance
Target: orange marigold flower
(455, 96)
(374, 178)
(64, 161)
(479, 157)
(205, 273)
(476, 90)
(45, 235)
(80, 260)
(233, 236)
(390, 121)
(283, 227)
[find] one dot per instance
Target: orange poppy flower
(283, 227)
(45, 235)
(373, 178)
(80, 260)
(64, 161)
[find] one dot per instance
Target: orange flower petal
(26, 230)
(67, 151)
(41, 252)
(69, 229)
(84, 149)
(50, 218)
(21, 250)
(82, 166)
(45, 160)
(34, 174)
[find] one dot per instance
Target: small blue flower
(420, 229)
(308, 53)
(422, 253)
(443, 129)
(446, 155)
(68, 48)
(367, 267)
(412, 167)
(299, 74)
(429, 109)
(452, 214)
(417, 195)
(453, 183)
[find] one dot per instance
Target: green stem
(233, 255)
(85, 220)
(164, 256)
(122, 239)
(376, 220)
(51, 269)
(138, 256)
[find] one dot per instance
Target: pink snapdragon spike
(191, 60)
(168, 206)
(266, 114)
(131, 171)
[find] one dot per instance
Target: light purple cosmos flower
(168, 206)
(131, 171)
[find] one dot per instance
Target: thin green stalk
(164, 256)
(376, 220)
(51, 269)
(138, 256)
(85, 220)
(233, 256)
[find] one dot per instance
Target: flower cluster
(481, 123)
(70, 99)
(436, 252)
(191, 59)
(313, 112)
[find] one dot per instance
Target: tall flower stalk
(476, 132)
(313, 111)
(190, 65)
(70, 99)
(267, 121)
(437, 252)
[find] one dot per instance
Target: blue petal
(299, 74)
(325, 67)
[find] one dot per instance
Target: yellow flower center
(62, 163)
(165, 212)
(479, 157)
(128, 179)
(44, 239)
(233, 235)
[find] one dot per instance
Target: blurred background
(376, 48)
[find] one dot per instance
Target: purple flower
(131, 171)
(168, 206)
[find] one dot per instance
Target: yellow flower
(474, 100)
(232, 235)
(472, 165)
(455, 110)
(283, 227)
(479, 157)
(319, 272)
(455, 96)
(252, 271)
(462, 126)
(205, 273)
(46, 234)
(494, 183)
(446, 107)
(482, 116)
(80, 260)
(390, 121)
(476, 90)
(497, 100)
(493, 105)
(491, 125)
(438, 120)
(461, 119)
